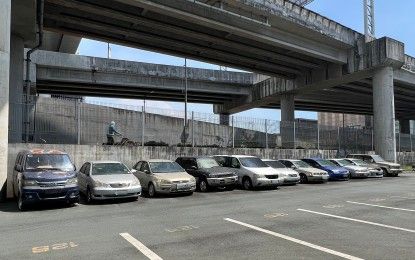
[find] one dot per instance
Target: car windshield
(109, 169)
(207, 163)
(326, 163)
(343, 162)
(301, 164)
(165, 167)
(36, 162)
(275, 164)
(377, 158)
(358, 162)
(253, 162)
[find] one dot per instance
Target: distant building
(340, 120)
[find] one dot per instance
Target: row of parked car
(44, 175)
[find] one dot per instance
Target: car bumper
(291, 180)
(395, 171)
(376, 174)
(174, 188)
(339, 177)
(221, 182)
(111, 193)
(265, 182)
(36, 194)
(318, 178)
(360, 174)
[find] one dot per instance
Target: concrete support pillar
(224, 119)
(287, 121)
(384, 114)
(405, 126)
(17, 109)
(5, 23)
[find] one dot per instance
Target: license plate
(120, 192)
(52, 191)
(182, 186)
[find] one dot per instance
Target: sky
(393, 18)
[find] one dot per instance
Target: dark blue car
(335, 172)
(44, 175)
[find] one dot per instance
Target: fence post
(399, 141)
(78, 115)
(294, 134)
(266, 133)
(410, 139)
(143, 125)
(193, 129)
(373, 144)
(318, 136)
(233, 133)
(338, 137)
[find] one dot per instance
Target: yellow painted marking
(54, 247)
(275, 215)
(333, 206)
(182, 228)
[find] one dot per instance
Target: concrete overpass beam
(16, 88)
(287, 121)
(5, 23)
(384, 113)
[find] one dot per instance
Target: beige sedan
(164, 177)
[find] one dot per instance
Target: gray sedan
(107, 180)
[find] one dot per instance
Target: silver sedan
(107, 180)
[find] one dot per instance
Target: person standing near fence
(112, 131)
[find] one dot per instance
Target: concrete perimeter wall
(130, 155)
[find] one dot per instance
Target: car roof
(238, 156)
(156, 160)
(194, 157)
(314, 159)
(42, 151)
(96, 162)
(269, 160)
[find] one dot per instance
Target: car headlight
(193, 180)
(29, 183)
(163, 181)
(136, 183)
(101, 184)
(72, 181)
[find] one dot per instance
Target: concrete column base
(384, 114)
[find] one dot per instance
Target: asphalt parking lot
(359, 219)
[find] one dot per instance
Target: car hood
(174, 176)
(285, 171)
(115, 178)
(334, 169)
(356, 168)
(396, 165)
(218, 170)
(311, 170)
(263, 170)
(49, 175)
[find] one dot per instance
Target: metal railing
(58, 121)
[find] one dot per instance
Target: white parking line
(358, 220)
(301, 242)
(141, 247)
(380, 206)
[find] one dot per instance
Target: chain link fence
(60, 121)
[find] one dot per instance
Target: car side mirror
(146, 171)
(293, 167)
(193, 167)
(74, 168)
(18, 168)
(133, 171)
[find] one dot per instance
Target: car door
(82, 178)
(18, 165)
(192, 168)
(235, 164)
(87, 174)
(145, 174)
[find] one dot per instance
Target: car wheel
(151, 190)
(247, 183)
(20, 202)
(203, 185)
(89, 197)
(303, 178)
(385, 172)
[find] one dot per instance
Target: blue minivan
(44, 175)
(335, 172)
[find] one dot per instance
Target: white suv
(252, 172)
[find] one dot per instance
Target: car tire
(203, 185)
(21, 205)
(151, 190)
(385, 172)
(89, 198)
(303, 178)
(247, 183)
